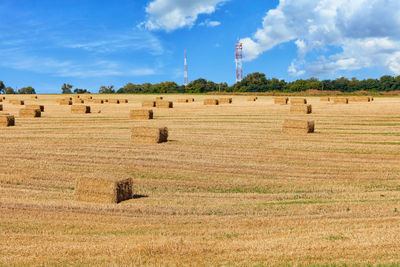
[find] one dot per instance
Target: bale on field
(30, 113)
(1, 99)
(40, 107)
(298, 101)
(227, 100)
(341, 100)
(123, 100)
(190, 99)
(103, 190)
(65, 102)
(80, 109)
(141, 114)
(86, 97)
(78, 101)
(211, 101)
(7, 120)
(98, 101)
(16, 102)
(252, 98)
(359, 99)
(298, 126)
(113, 101)
(148, 104)
(149, 135)
(33, 97)
(159, 98)
(183, 100)
(1, 107)
(164, 104)
(281, 100)
(371, 98)
(325, 99)
(300, 109)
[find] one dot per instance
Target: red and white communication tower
(185, 74)
(239, 65)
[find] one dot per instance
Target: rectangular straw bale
(298, 101)
(33, 97)
(325, 99)
(183, 100)
(371, 98)
(298, 126)
(78, 101)
(159, 98)
(1, 99)
(341, 100)
(7, 120)
(123, 101)
(300, 109)
(16, 102)
(211, 101)
(164, 104)
(30, 113)
(227, 100)
(190, 99)
(149, 135)
(79, 109)
(148, 104)
(40, 107)
(359, 99)
(252, 98)
(65, 102)
(113, 101)
(98, 101)
(281, 100)
(86, 97)
(1, 107)
(141, 114)
(101, 190)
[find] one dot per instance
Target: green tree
(66, 88)
(81, 91)
(107, 89)
(2, 87)
(9, 90)
(27, 90)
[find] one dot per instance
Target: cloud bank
(332, 36)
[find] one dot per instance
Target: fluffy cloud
(170, 15)
(332, 35)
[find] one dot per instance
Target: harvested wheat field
(228, 188)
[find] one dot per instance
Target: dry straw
(281, 100)
(325, 99)
(164, 104)
(252, 98)
(298, 126)
(7, 120)
(78, 101)
(97, 101)
(211, 101)
(298, 101)
(33, 97)
(30, 113)
(40, 107)
(190, 99)
(360, 99)
(1, 107)
(123, 101)
(16, 102)
(80, 109)
(113, 101)
(149, 135)
(183, 100)
(300, 109)
(341, 100)
(159, 98)
(148, 104)
(141, 114)
(103, 190)
(65, 102)
(225, 100)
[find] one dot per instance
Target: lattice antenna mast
(185, 74)
(239, 64)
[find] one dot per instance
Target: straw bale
(227, 100)
(211, 101)
(123, 100)
(1, 99)
(86, 97)
(148, 104)
(298, 101)
(78, 101)
(141, 114)
(33, 97)
(371, 98)
(150, 135)
(164, 104)
(341, 100)
(102, 190)
(113, 101)
(30, 113)
(359, 99)
(183, 100)
(65, 102)
(16, 102)
(159, 98)
(6, 120)
(281, 100)
(40, 107)
(300, 109)
(252, 98)
(190, 99)
(80, 109)
(325, 99)
(298, 126)
(1, 107)
(98, 101)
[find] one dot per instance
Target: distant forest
(254, 82)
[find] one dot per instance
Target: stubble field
(229, 188)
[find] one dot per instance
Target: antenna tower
(239, 65)
(185, 75)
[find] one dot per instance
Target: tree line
(254, 82)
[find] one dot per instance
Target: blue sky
(89, 43)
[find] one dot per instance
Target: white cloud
(210, 23)
(363, 33)
(170, 15)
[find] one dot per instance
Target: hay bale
(298, 126)
(33, 97)
(1, 107)
(281, 100)
(359, 99)
(78, 101)
(325, 99)
(141, 114)
(298, 101)
(102, 190)
(16, 102)
(164, 104)
(149, 135)
(40, 107)
(252, 99)
(190, 99)
(7, 120)
(183, 100)
(159, 98)
(211, 101)
(148, 104)
(1, 99)
(341, 100)
(301, 109)
(97, 101)
(227, 100)
(87, 97)
(80, 109)
(123, 101)
(113, 101)
(30, 113)
(371, 98)
(65, 102)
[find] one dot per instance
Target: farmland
(229, 188)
